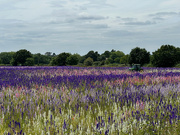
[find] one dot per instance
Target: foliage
(40, 59)
(166, 56)
(88, 61)
(139, 56)
(124, 59)
(93, 55)
(116, 56)
(108, 58)
(53, 62)
(20, 57)
(72, 60)
(6, 57)
(107, 54)
(29, 62)
(61, 59)
(178, 54)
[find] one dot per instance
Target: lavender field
(89, 101)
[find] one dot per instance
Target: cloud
(95, 26)
(90, 17)
(98, 4)
(76, 25)
(119, 33)
(162, 14)
(126, 19)
(140, 23)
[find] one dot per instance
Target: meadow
(89, 101)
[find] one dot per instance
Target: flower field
(92, 101)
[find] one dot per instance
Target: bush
(166, 56)
(178, 65)
(29, 62)
(88, 62)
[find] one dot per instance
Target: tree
(29, 62)
(82, 59)
(115, 56)
(6, 57)
(178, 55)
(40, 59)
(88, 62)
(48, 53)
(93, 55)
(165, 56)
(72, 60)
(101, 58)
(61, 59)
(53, 62)
(124, 59)
(139, 56)
(107, 54)
(20, 57)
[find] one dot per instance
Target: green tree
(165, 56)
(53, 62)
(48, 53)
(107, 54)
(88, 61)
(93, 55)
(40, 59)
(72, 60)
(29, 62)
(101, 58)
(61, 59)
(20, 57)
(6, 57)
(139, 56)
(124, 59)
(116, 56)
(178, 55)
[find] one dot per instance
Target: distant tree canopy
(72, 59)
(139, 56)
(88, 61)
(124, 59)
(115, 56)
(166, 56)
(20, 57)
(6, 57)
(178, 55)
(29, 62)
(40, 59)
(93, 55)
(106, 54)
(61, 59)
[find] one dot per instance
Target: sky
(79, 26)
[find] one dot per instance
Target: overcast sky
(78, 26)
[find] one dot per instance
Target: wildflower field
(89, 101)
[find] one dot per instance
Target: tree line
(165, 56)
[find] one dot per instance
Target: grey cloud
(8, 5)
(126, 19)
(158, 18)
(98, 4)
(90, 17)
(163, 14)
(95, 26)
(118, 33)
(58, 4)
(140, 23)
